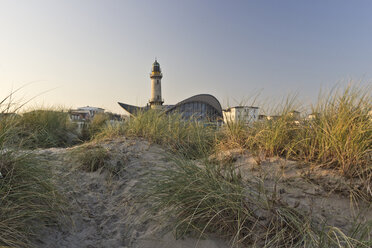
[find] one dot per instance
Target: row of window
(198, 110)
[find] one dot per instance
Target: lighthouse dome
(156, 66)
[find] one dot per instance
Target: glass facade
(197, 110)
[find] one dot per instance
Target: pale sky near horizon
(96, 53)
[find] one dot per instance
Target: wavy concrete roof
(131, 109)
(206, 98)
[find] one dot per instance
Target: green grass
(202, 197)
(210, 199)
(40, 128)
(28, 198)
(97, 125)
(268, 136)
(192, 138)
(206, 198)
(341, 134)
(92, 157)
(110, 131)
(340, 137)
(233, 135)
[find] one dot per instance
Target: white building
(313, 116)
(156, 101)
(91, 110)
(85, 113)
(245, 114)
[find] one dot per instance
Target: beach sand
(108, 211)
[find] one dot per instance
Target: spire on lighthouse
(156, 101)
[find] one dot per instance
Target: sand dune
(107, 210)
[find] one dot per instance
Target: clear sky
(86, 52)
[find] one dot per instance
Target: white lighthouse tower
(156, 101)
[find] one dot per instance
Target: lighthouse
(156, 101)
(201, 107)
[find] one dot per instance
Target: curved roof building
(201, 107)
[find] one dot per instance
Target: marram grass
(28, 198)
(41, 128)
(205, 198)
(192, 138)
(91, 157)
(339, 136)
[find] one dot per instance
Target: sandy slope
(105, 211)
(321, 193)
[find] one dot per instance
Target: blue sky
(99, 52)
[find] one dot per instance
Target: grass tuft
(192, 138)
(339, 136)
(28, 198)
(41, 128)
(92, 157)
(206, 198)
